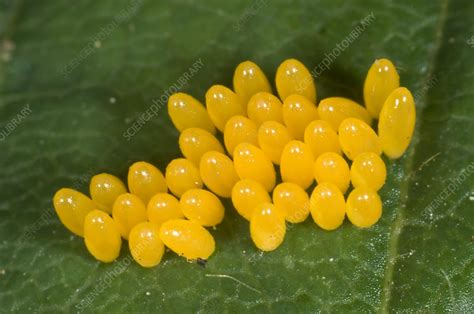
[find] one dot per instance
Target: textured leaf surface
(419, 257)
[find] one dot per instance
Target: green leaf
(75, 75)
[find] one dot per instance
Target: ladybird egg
(321, 138)
(104, 189)
(298, 112)
(187, 238)
(296, 164)
(293, 77)
(163, 207)
(222, 104)
(363, 207)
(239, 129)
(331, 167)
(382, 78)
(102, 236)
(72, 207)
(128, 211)
(194, 142)
(397, 122)
(218, 173)
(264, 107)
(327, 206)
(145, 180)
(202, 207)
(182, 175)
(187, 112)
(145, 244)
(293, 200)
(267, 227)
(272, 139)
(356, 137)
(336, 109)
(246, 195)
(249, 79)
(368, 169)
(251, 163)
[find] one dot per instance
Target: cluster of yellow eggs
(261, 133)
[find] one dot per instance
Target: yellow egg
(187, 238)
(327, 206)
(356, 137)
(331, 167)
(264, 107)
(187, 112)
(267, 227)
(336, 109)
(194, 142)
(202, 207)
(163, 207)
(368, 169)
(239, 129)
(397, 122)
(296, 164)
(322, 138)
(293, 77)
(298, 112)
(251, 163)
(222, 104)
(72, 207)
(145, 244)
(145, 180)
(272, 139)
(104, 189)
(381, 80)
(249, 79)
(246, 195)
(293, 200)
(128, 211)
(218, 173)
(181, 176)
(102, 236)
(363, 207)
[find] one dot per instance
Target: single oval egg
(102, 236)
(145, 180)
(293, 200)
(239, 129)
(187, 238)
(327, 206)
(267, 227)
(72, 207)
(249, 80)
(272, 139)
(128, 211)
(356, 137)
(293, 77)
(397, 122)
(181, 176)
(251, 163)
(202, 206)
(298, 112)
(296, 164)
(163, 207)
(218, 173)
(382, 78)
(145, 244)
(336, 109)
(222, 104)
(246, 195)
(187, 112)
(263, 107)
(194, 142)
